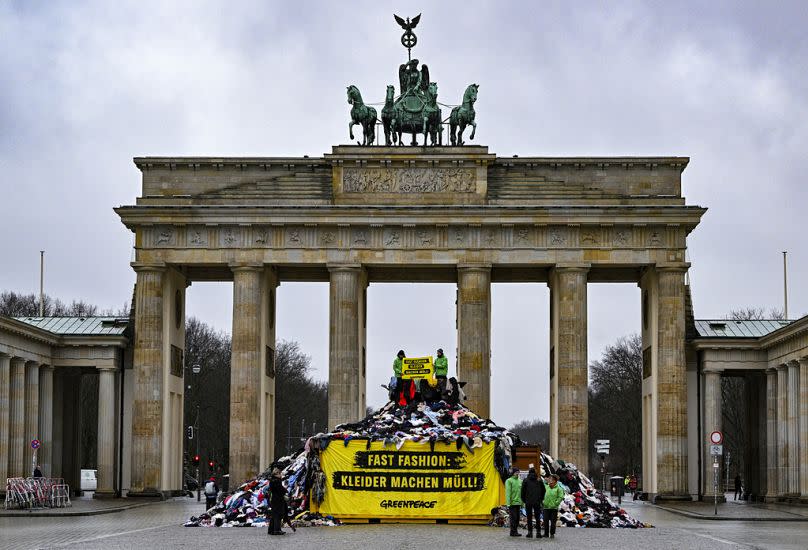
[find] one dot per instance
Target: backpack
(210, 489)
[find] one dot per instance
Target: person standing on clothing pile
(513, 499)
(441, 370)
(553, 497)
(533, 491)
(398, 364)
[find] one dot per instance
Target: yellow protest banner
(412, 482)
(413, 368)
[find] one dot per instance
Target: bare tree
(13, 304)
(301, 402)
(535, 431)
(615, 404)
(755, 314)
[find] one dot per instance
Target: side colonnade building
(772, 358)
(44, 361)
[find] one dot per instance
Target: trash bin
(617, 487)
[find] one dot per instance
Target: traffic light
(211, 465)
(195, 461)
(190, 432)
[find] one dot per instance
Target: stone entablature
(412, 175)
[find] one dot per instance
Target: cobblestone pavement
(158, 526)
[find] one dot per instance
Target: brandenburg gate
(362, 214)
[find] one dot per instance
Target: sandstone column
(793, 427)
(147, 394)
(573, 407)
(45, 454)
(712, 422)
(5, 382)
(346, 289)
(245, 375)
(804, 428)
(772, 470)
(31, 413)
(106, 433)
(474, 335)
(782, 430)
(671, 384)
(16, 444)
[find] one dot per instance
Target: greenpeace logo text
(408, 503)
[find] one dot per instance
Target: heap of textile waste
(419, 422)
(583, 504)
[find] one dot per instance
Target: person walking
(553, 497)
(738, 487)
(632, 484)
(277, 503)
(513, 499)
(533, 491)
(441, 370)
(211, 493)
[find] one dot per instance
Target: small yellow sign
(416, 368)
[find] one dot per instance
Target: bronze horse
(363, 115)
(463, 116)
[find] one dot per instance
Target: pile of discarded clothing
(583, 505)
(423, 422)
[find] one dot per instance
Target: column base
(672, 498)
(102, 494)
(147, 493)
(710, 498)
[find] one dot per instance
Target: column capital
(31, 363)
(45, 366)
(474, 267)
(144, 266)
(782, 366)
(17, 360)
(712, 370)
(673, 268)
(343, 267)
(106, 368)
(794, 363)
(571, 267)
(247, 266)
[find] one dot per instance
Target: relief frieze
(409, 180)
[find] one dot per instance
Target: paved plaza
(159, 526)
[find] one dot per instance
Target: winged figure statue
(409, 24)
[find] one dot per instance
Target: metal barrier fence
(40, 492)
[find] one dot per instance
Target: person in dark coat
(37, 472)
(211, 493)
(277, 503)
(533, 495)
(738, 487)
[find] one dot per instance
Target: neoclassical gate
(446, 214)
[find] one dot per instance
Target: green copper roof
(724, 328)
(79, 326)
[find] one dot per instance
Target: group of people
(404, 391)
(539, 497)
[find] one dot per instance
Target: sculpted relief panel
(416, 236)
(409, 180)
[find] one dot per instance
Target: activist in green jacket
(513, 490)
(554, 496)
(441, 364)
(398, 364)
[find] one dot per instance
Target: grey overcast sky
(85, 86)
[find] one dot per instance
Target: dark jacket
(532, 489)
(277, 492)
